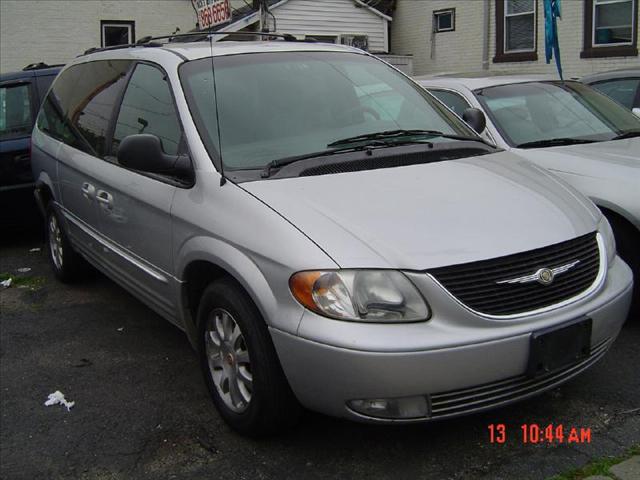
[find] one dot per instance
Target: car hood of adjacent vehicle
(615, 159)
(430, 215)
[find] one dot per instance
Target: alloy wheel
(55, 242)
(228, 358)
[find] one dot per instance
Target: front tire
(628, 246)
(67, 265)
(240, 364)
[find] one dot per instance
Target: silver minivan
(326, 232)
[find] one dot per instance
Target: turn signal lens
(360, 295)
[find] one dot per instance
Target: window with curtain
(516, 31)
(610, 28)
(519, 25)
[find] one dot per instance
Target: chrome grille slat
(528, 263)
(495, 393)
(477, 286)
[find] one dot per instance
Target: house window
(519, 25)
(117, 32)
(610, 28)
(323, 38)
(444, 20)
(357, 41)
(516, 25)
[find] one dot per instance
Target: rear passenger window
(81, 102)
(15, 111)
(452, 100)
(93, 101)
(147, 107)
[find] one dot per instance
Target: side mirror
(636, 111)
(475, 118)
(144, 152)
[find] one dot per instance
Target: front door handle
(88, 191)
(105, 199)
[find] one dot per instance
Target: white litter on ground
(57, 397)
(121, 329)
(6, 283)
(34, 250)
(24, 270)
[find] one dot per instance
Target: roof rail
(150, 41)
(40, 65)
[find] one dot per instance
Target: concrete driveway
(142, 410)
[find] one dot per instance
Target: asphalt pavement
(142, 410)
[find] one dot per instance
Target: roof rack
(150, 41)
(40, 65)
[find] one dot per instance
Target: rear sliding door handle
(105, 199)
(88, 191)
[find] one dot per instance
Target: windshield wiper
(627, 134)
(390, 134)
(554, 142)
(281, 162)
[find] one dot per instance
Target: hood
(614, 160)
(431, 215)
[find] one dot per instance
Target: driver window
(147, 107)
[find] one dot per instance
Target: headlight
(609, 240)
(360, 295)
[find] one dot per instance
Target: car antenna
(223, 179)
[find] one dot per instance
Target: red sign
(212, 12)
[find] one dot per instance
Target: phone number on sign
(210, 15)
(533, 433)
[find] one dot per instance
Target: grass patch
(26, 281)
(597, 467)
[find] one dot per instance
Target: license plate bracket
(557, 347)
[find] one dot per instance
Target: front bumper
(460, 362)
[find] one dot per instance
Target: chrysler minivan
(326, 233)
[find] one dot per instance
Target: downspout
(485, 35)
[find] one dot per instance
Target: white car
(568, 128)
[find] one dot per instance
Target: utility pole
(257, 5)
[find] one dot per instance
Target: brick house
(508, 35)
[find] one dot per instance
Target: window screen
(519, 25)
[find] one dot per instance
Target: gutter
(485, 35)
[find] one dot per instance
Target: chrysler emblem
(544, 276)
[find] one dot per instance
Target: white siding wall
(331, 17)
(461, 50)
(55, 31)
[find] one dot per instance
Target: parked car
(622, 85)
(20, 96)
(577, 133)
(368, 259)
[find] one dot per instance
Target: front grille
(481, 397)
(475, 284)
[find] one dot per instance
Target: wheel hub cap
(228, 358)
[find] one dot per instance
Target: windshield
(537, 111)
(278, 105)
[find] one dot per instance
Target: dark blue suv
(20, 96)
